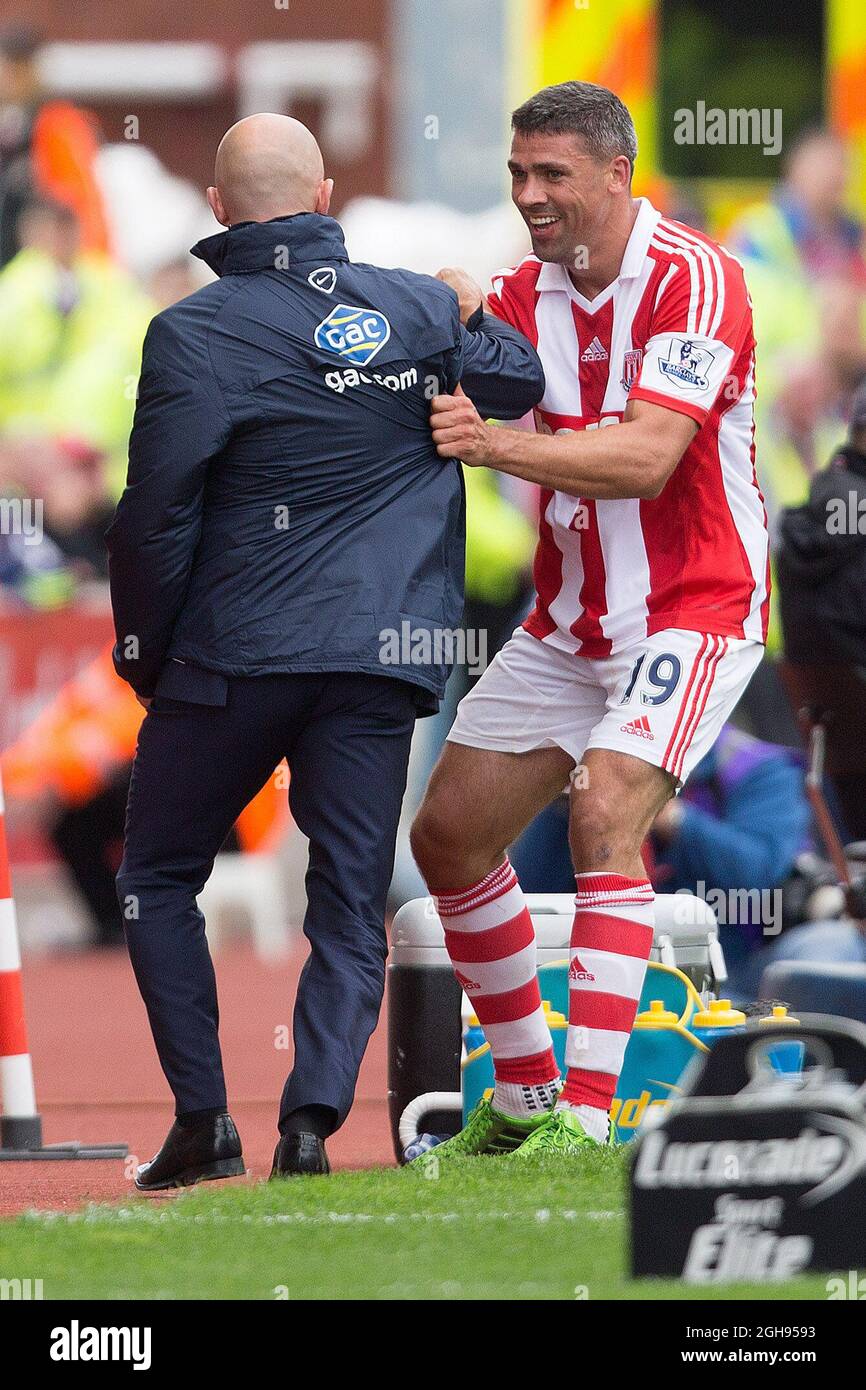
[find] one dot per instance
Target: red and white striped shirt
(674, 328)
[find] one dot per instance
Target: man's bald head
(268, 166)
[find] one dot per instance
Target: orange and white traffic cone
(20, 1124)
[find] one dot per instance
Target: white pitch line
(171, 1215)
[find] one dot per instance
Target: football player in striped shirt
(652, 593)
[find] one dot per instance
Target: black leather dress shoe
(210, 1150)
(298, 1155)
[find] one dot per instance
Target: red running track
(98, 1080)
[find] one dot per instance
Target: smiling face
(563, 193)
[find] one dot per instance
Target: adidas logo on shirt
(596, 352)
(640, 728)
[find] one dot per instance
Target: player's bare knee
(432, 841)
(444, 850)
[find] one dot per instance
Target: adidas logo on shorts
(639, 727)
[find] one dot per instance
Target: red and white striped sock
(610, 945)
(491, 942)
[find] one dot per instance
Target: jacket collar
(249, 246)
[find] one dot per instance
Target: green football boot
(487, 1131)
(560, 1134)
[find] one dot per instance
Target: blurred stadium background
(109, 117)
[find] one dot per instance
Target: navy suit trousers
(346, 738)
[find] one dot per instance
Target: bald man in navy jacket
(285, 514)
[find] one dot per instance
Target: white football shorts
(663, 699)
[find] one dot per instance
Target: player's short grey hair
(580, 108)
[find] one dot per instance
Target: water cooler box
(426, 1006)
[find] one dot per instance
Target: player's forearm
(621, 460)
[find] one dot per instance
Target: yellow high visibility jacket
(71, 371)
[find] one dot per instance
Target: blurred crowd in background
(93, 240)
(73, 314)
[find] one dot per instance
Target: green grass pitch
(486, 1229)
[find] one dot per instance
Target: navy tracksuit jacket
(285, 513)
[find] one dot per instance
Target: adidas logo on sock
(577, 971)
(639, 727)
(596, 352)
(465, 983)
